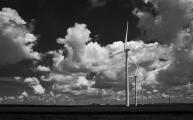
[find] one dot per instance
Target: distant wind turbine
(53, 97)
(142, 91)
(169, 95)
(126, 50)
(189, 86)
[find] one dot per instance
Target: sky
(57, 52)
(51, 19)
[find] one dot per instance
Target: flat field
(97, 112)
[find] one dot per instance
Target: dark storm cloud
(171, 26)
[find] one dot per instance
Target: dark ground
(146, 112)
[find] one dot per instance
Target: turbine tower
(135, 78)
(142, 90)
(53, 97)
(189, 86)
(169, 95)
(126, 50)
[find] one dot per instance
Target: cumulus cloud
(71, 83)
(35, 85)
(23, 95)
(81, 55)
(76, 87)
(171, 26)
(43, 68)
(16, 41)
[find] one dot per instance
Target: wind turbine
(189, 86)
(142, 90)
(53, 97)
(126, 50)
(169, 95)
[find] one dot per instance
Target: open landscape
(145, 112)
(94, 109)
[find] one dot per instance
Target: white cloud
(11, 14)
(22, 96)
(43, 68)
(74, 83)
(17, 78)
(35, 85)
(16, 41)
(25, 94)
(80, 57)
(38, 89)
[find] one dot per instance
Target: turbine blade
(133, 61)
(126, 36)
(116, 53)
(137, 66)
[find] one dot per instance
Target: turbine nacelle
(127, 49)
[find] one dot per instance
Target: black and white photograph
(96, 59)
